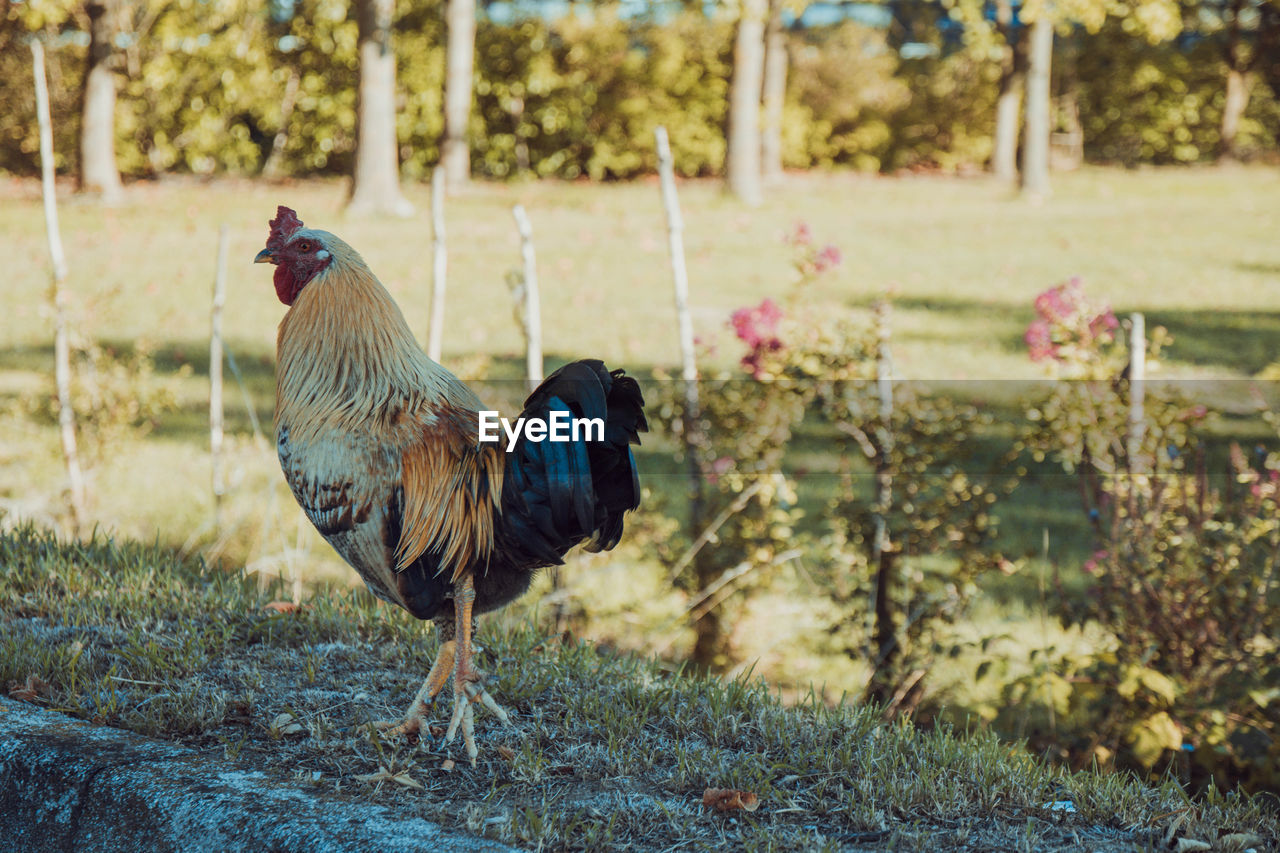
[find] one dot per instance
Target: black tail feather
(559, 494)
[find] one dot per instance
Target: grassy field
(605, 752)
(1194, 249)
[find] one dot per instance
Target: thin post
(1035, 147)
(881, 547)
(215, 376)
(61, 343)
(708, 630)
(1137, 388)
(439, 266)
(675, 241)
(680, 278)
(532, 302)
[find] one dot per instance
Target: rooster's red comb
(282, 227)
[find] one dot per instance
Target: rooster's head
(300, 254)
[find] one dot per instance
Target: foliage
(114, 395)
(1184, 578)
(747, 500)
(1162, 103)
(844, 94)
(213, 87)
(582, 97)
(940, 523)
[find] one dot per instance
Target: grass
(1193, 248)
(606, 751)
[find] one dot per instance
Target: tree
(1240, 61)
(774, 93)
(98, 170)
(1269, 45)
(743, 163)
(1035, 146)
(375, 185)
(1013, 78)
(455, 154)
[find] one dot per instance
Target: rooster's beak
(265, 257)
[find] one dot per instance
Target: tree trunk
(775, 94)
(274, 167)
(1232, 111)
(98, 171)
(743, 166)
(1035, 150)
(1237, 94)
(1013, 80)
(455, 153)
(1269, 46)
(375, 184)
(710, 642)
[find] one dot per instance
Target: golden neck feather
(346, 356)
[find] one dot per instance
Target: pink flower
(757, 327)
(1039, 341)
(827, 259)
(1091, 565)
(801, 235)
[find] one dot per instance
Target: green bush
(203, 88)
(1144, 103)
(1185, 580)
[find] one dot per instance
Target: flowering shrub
(1184, 573)
(1071, 330)
(757, 327)
(748, 421)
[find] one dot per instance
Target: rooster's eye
(304, 246)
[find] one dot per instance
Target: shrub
(1184, 577)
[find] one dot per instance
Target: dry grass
(606, 751)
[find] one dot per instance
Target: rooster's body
(380, 446)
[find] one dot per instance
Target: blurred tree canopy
(210, 86)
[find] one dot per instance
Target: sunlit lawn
(1194, 249)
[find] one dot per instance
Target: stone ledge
(68, 785)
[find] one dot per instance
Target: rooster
(382, 449)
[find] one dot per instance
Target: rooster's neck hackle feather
(347, 363)
(346, 355)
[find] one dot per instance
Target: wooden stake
(692, 420)
(1137, 388)
(882, 557)
(439, 266)
(707, 629)
(215, 377)
(532, 302)
(61, 344)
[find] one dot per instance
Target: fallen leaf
(1190, 845)
(32, 691)
(506, 752)
(407, 781)
(286, 724)
(436, 731)
(1237, 841)
(282, 606)
(729, 800)
(382, 775)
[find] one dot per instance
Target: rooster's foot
(468, 688)
(416, 715)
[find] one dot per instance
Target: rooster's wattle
(381, 448)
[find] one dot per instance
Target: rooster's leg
(468, 682)
(436, 680)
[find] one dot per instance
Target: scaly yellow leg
(436, 679)
(468, 682)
